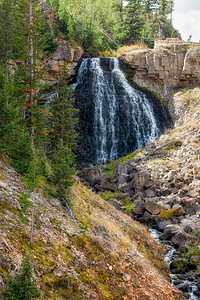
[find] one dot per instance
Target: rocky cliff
(170, 65)
(69, 52)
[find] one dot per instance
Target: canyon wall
(170, 65)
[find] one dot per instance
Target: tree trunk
(31, 70)
(83, 16)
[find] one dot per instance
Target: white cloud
(186, 18)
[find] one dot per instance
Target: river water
(169, 257)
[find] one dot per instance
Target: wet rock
(169, 232)
(163, 224)
(179, 265)
(179, 239)
(197, 293)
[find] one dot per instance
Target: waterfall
(115, 118)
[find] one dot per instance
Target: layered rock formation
(63, 54)
(172, 64)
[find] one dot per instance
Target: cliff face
(69, 52)
(171, 65)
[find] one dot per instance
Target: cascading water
(115, 118)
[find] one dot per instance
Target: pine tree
(22, 287)
(7, 33)
(129, 31)
(62, 120)
(62, 167)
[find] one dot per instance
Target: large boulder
(153, 207)
(138, 208)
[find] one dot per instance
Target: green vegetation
(168, 213)
(22, 287)
(110, 168)
(194, 250)
(128, 204)
(100, 25)
(31, 133)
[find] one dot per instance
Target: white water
(169, 259)
(123, 117)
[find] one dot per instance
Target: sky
(186, 18)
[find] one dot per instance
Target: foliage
(61, 117)
(110, 168)
(193, 251)
(168, 213)
(102, 25)
(22, 286)
(62, 167)
(128, 204)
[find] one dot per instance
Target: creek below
(176, 278)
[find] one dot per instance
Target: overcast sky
(187, 18)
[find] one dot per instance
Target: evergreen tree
(62, 120)
(7, 33)
(22, 287)
(62, 167)
(129, 31)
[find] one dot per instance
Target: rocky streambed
(188, 281)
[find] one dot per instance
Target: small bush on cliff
(22, 287)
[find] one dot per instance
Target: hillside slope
(101, 254)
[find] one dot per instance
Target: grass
(126, 49)
(128, 204)
(111, 167)
(166, 214)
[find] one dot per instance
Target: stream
(169, 257)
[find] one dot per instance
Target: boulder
(180, 265)
(184, 287)
(146, 218)
(150, 193)
(169, 232)
(138, 208)
(180, 238)
(179, 210)
(191, 207)
(163, 224)
(141, 180)
(152, 207)
(116, 203)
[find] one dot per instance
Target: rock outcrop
(64, 53)
(171, 64)
(67, 51)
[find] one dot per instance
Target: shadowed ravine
(115, 118)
